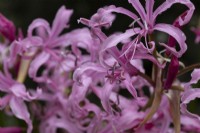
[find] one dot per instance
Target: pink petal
(149, 10)
(113, 40)
(188, 96)
(171, 40)
(105, 96)
(129, 85)
(37, 24)
(19, 90)
(177, 34)
(4, 101)
(168, 3)
(195, 78)
(20, 110)
(190, 124)
(106, 17)
(86, 69)
(60, 21)
(139, 8)
(39, 60)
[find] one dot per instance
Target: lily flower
(45, 44)
(147, 21)
(15, 96)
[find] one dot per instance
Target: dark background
(23, 12)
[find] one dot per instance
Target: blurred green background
(23, 12)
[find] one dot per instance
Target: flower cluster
(87, 81)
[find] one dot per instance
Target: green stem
(157, 99)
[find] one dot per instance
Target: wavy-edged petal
(26, 48)
(36, 24)
(186, 98)
(60, 22)
(105, 13)
(124, 11)
(195, 76)
(20, 110)
(81, 38)
(103, 17)
(177, 34)
(40, 59)
(168, 3)
(87, 67)
(19, 90)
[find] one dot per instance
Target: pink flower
(147, 21)
(15, 96)
(45, 45)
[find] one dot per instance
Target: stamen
(115, 75)
(134, 42)
(169, 60)
(133, 23)
(162, 51)
(135, 46)
(145, 25)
